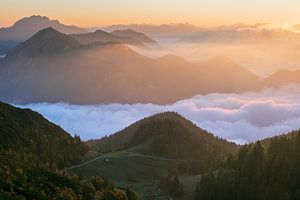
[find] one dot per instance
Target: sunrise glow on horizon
(203, 13)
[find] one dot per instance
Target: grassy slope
(126, 169)
(167, 130)
(129, 170)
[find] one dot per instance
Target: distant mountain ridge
(45, 42)
(102, 36)
(283, 77)
(28, 26)
(156, 31)
(110, 73)
(137, 35)
(54, 67)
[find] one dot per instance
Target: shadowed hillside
(267, 170)
(167, 134)
(32, 153)
(28, 132)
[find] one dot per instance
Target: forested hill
(33, 152)
(166, 134)
(26, 131)
(270, 173)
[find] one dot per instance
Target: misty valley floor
(241, 118)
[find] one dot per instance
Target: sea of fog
(240, 118)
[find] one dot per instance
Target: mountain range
(105, 72)
(128, 37)
(157, 31)
(185, 32)
(163, 156)
(98, 67)
(26, 27)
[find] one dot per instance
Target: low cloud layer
(240, 118)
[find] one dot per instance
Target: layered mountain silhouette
(283, 77)
(44, 42)
(158, 31)
(26, 27)
(166, 134)
(54, 67)
(102, 36)
(184, 32)
(134, 34)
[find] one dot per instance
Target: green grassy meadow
(126, 169)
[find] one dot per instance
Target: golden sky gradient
(198, 12)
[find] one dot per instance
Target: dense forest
(24, 178)
(267, 170)
(34, 154)
(25, 131)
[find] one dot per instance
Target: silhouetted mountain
(45, 42)
(133, 34)
(166, 134)
(283, 77)
(102, 36)
(28, 26)
(221, 72)
(53, 67)
(220, 34)
(164, 30)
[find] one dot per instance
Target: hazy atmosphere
(150, 100)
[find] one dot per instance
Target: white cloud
(237, 117)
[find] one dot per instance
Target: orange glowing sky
(199, 12)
